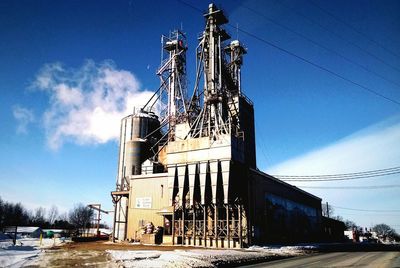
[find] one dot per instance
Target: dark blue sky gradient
(298, 107)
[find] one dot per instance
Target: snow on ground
(25, 251)
(16, 256)
(202, 257)
(291, 250)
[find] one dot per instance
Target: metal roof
(21, 229)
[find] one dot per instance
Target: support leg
(227, 226)
(194, 227)
(240, 227)
(205, 226)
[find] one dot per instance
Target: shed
(24, 231)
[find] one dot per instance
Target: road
(339, 259)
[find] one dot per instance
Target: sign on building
(143, 202)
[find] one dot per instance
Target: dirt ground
(101, 245)
(88, 254)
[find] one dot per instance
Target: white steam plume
(87, 104)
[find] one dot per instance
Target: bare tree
(63, 217)
(337, 217)
(52, 214)
(327, 210)
(38, 218)
(385, 230)
(80, 216)
(350, 225)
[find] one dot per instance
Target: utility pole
(327, 209)
(97, 207)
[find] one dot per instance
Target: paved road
(339, 259)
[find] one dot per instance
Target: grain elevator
(187, 160)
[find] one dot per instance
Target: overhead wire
(360, 173)
(340, 37)
(353, 28)
(262, 146)
(319, 66)
(367, 210)
(337, 178)
(350, 187)
(320, 45)
(370, 213)
(303, 59)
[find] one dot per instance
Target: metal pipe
(126, 220)
(115, 215)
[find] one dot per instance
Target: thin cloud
(86, 104)
(24, 117)
(376, 147)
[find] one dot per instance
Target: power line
(368, 210)
(370, 213)
(303, 59)
(360, 173)
(340, 37)
(350, 187)
(319, 45)
(318, 66)
(262, 146)
(338, 178)
(353, 28)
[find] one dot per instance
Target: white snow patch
(201, 257)
(290, 250)
(24, 252)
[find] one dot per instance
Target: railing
(222, 231)
(246, 98)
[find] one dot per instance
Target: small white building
(24, 231)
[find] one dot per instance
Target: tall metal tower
(219, 69)
(207, 168)
(170, 100)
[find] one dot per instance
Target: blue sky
(69, 70)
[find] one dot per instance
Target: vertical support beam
(115, 218)
(126, 220)
(216, 224)
(194, 227)
(183, 224)
(205, 226)
(240, 226)
(173, 224)
(227, 226)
